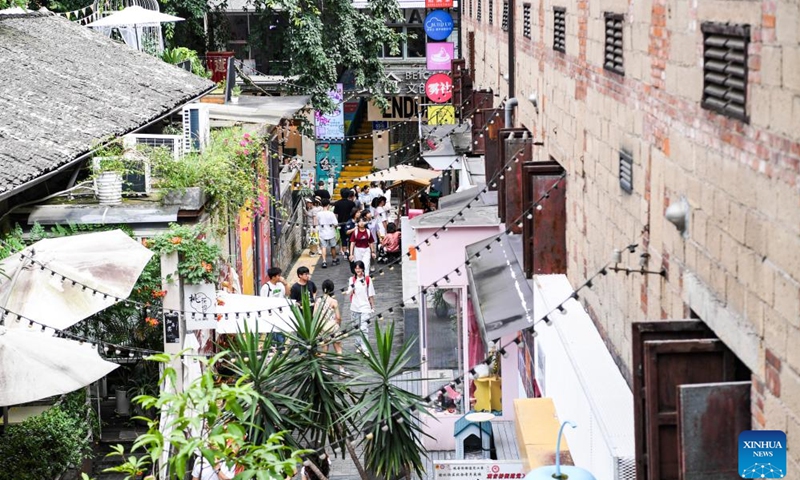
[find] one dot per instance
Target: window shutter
(505, 15)
(480, 10)
(560, 29)
(491, 12)
(626, 172)
(613, 54)
(725, 69)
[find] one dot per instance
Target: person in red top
(362, 245)
(391, 242)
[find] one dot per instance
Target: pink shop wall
(445, 253)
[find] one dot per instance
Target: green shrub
(42, 447)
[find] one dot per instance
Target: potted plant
(121, 395)
(236, 91)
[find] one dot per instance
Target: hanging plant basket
(108, 188)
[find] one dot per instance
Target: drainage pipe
(510, 104)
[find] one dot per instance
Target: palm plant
(393, 447)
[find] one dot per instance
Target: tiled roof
(64, 88)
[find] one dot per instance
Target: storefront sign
(438, 3)
(438, 25)
(406, 81)
(329, 160)
(478, 469)
(439, 55)
(400, 109)
(439, 88)
(441, 115)
(200, 303)
(330, 126)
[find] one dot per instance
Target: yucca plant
(393, 447)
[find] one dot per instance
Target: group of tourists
(356, 226)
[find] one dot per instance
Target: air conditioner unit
(174, 143)
(196, 127)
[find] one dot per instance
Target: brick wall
(739, 267)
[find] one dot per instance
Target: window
(505, 15)
(725, 69)
(560, 29)
(480, 9)
(613, 54)
(526, 20)
(491, 12)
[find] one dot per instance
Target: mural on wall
(329, 160)
(330, 126)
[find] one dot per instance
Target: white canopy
(400, 173)
(34, 365)
(134, 16)
(265, 322)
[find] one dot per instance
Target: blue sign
(438, 25)
(762, 454)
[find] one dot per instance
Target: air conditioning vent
(560, 29)
(526, 20)
(725, 69)
(613, 59)
(626, 172)
(505, 15)
(173, 143)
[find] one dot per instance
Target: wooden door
(544, 247)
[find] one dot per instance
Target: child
(391, 242)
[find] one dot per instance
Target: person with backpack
(362, 300)
(362, 245)
(328, 307)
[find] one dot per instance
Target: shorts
(328, 242)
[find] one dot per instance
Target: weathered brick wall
(739, 267)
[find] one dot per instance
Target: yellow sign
(441, 115)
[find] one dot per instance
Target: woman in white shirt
(362, 300)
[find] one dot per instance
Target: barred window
(560, 29)
(491, 12)
(526, 20)
(725, 69)
(505, 15)
(480, 9)
(613, 60)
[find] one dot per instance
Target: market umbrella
(35, 366)
(60, 281)
(263, 322)
(136, 17)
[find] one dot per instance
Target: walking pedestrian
(328, 308)
(362, 301)
(304, 287)
(362, 244)
(322, 191)
(327, 224)
(276, 286)
(365, 197)
(343, 209)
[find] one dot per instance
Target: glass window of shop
(413, 26)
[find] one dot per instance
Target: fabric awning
(503, 297)
(252, 109)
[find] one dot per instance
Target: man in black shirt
(303, 287)
(321, 191)
(342, 209)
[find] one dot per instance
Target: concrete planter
(192, 198)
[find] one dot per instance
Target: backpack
(353, 285)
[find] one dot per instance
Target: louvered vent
(613, 55)
(491, 12)
(560, 29)
(471, 4)
(626, 171)
(480, 9)
(725, 69)
(526, 20)
(505, 15)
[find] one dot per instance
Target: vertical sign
(329, 161)
(439, 55)
(330, 126)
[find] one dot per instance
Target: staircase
(359, 157)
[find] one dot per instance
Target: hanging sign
(438, 3)
(439, 88)
(439, 55)
(441, 115)
(200, 304)
(438, 24)
(330, 126)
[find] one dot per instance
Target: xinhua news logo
(762, 454)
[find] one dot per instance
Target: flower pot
(123, 403)
(234, 99)
(108, 188)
